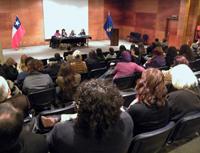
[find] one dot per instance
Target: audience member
(10, 69)
(149, 110)
(13, 138)
(100, 55)
(157, 60)
(100, 126)
(91, 61)
(126, 67)
(36, 81)
(64, 33)
(78, 65)
(67, 81)
(186, 51)
(111, 54)
(170, 55)
(186, 99)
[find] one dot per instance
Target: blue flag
(108, 26)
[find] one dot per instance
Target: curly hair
(151, 87)
(98, 107)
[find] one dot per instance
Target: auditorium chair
(84, 76)
(186, 127)
(151, 142)
(96, 73)
(127, 82)
(197, 74)
(42, 100)
(195, 65)
(39, 128)
(129, 95)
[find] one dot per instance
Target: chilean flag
(18, 32)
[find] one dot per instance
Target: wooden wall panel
(96, 19)
(30, 14)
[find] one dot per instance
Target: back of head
(10, 61)
(186, 51)
(183, 77)
(111, 50)
(65, 69)
(151, 87)
(35, 65)
(11, 123)
(4, 89)
(126, 56)
(122, 48)
(57, 56)
(170, 55)
(180, 60)
(158, 51)
(98, 107)
(92, 54)
(27, 60)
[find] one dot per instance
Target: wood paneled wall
(144, 16)
(30, 13)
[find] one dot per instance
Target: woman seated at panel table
(64, 33)
(72, 34)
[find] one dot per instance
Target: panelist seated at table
(57, 34)
(82, 33)
(64, 33)
(72, 34)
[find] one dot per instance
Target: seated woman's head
(98, 107)
(151, 87)
(183, 77)
(180, 60)
(158, 51)
(35, 65)
(4, 89)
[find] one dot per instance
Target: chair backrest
(52, 113)
(195, 65)
(186, 126)
(42, 100)
(128, 95)
(95, 73)
(127, 82)
(151, 142)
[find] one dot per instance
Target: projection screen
(67, 14)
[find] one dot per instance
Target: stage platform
(42, 52)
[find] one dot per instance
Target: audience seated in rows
(126, 67)
(36, 80)
(67, 82)
(100, 125)
(149, 110)
(13, 138)
(13, 95)
(186, 98)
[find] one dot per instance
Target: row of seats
(149, 142)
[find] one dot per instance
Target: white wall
(67, 14)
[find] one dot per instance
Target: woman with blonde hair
(149, 110)
(186, 98)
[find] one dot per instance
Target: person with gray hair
(186, 97)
